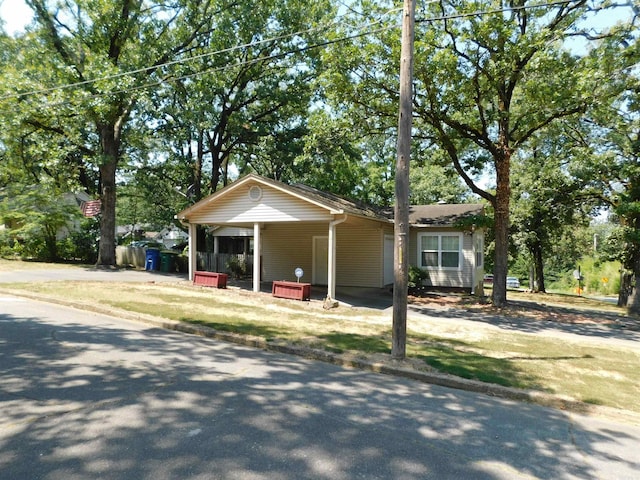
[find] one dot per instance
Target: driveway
(77, 273)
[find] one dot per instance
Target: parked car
(488, 279)
(146, 244)
(513, 282)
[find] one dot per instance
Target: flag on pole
(91, 208)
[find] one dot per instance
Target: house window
(440, 251)
(479, 251)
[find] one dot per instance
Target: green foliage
(82, 245)
(417, 276)
(237, 267)
(598, 278)
(432, 183)
(35, 217)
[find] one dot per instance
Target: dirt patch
(526, 308)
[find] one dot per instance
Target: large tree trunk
(633, 303)
(625, 288)
(110, 144)
(501, 225)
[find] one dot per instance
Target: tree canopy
(530, 107)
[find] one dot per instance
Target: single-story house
(171, 236)
(338, 242)
(72, 199)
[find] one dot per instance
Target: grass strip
(596, 374)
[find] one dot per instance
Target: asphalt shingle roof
(443, 214)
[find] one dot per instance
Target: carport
(339, 242)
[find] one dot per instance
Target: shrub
(237, 267)
(417, 276)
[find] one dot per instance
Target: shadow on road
(96, 400)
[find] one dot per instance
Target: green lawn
(590, 373)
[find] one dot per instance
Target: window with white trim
(442, 251)
(479, 251)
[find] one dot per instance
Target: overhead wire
(199, 57)
(479, 13)
(260, 59)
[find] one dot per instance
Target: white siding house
(335, 241)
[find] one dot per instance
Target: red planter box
(292, 290)
(210, 279)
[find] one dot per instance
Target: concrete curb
(351, 361)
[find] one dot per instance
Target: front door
(320, 274)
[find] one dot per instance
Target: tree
(488, 77)
(251, 112)
(488, 83)
(330, 159)
(93, 58)
(613, 139)
(433, 183)
(351, 145)
(548, 202)
(36, 215)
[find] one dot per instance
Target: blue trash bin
(152, 259)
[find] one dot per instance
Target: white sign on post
(299, 273)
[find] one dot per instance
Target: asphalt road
(87, 396)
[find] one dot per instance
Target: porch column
(193, 252)
(256, 257)
(331, 267)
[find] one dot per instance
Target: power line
(189, 59)
(260, 59)
(221, 68)
(479, 13)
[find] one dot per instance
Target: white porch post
(256, 257)
(216, 245)
(331, 267)
(193, 253)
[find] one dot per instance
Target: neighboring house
(171, 236)
(335, 241)
(78, 199)
(167, 237)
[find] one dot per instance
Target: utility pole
(401, 208)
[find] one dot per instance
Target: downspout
(331, 276)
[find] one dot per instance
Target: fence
(134, 256)
(237, 264)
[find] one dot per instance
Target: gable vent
(255, 193)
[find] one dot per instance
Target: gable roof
(419, 215)
(334, 204)
(442, 214)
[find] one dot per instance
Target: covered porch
(333, 241)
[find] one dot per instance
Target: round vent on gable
(255, 193)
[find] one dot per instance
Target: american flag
(91, 208)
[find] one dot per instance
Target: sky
(15, 14)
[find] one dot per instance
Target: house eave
(184, 215)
